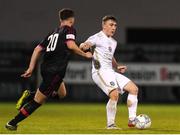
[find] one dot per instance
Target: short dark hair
(109, 17)
(66, 13)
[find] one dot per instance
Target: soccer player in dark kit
(57, 47)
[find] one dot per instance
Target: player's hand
(27, 73)
(122, 69)
(89, 55)
(84, 46)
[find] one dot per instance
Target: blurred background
(148, 38)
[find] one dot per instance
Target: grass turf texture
(89, 118)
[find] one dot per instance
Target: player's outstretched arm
(120, 68)
(72, 45)
(36, 54)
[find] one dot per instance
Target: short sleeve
(91, 40)
(70, 34)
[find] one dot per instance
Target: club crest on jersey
(110, 49)
(112, 83)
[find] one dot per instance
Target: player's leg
(106, 81)
(132, 101)
(29, 95)
(61, 92)
(27, 110)
(127, 85)
(49, 84)
(111, 108)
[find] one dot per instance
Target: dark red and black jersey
(57, 54)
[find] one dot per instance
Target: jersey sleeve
(91, 40)
(70, 34)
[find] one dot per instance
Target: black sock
(25, 111)
(30, 97)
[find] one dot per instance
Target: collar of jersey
(105, 35)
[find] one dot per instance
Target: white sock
(132, 107)
(111, 109)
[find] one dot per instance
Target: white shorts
(108, 80)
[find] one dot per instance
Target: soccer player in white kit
(104, 67)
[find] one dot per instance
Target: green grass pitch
(77, 118)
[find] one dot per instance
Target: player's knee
(114, 94)
(40, 97)
(40, 100)
(134, 90)
(62, 94)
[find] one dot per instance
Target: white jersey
(102, 70)
(104, 50)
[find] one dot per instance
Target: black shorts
(50, 82)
